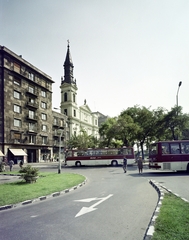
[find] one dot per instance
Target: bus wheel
(187, 169)
(114, 163)
(78, 164)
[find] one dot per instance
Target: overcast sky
(125, 52)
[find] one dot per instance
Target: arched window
(65, 97)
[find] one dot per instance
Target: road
(112, 205)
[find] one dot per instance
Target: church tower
(69, 89)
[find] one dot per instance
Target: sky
(125, 52)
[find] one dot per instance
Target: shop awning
(18, 152)
(1, 154)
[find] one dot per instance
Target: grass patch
(172, 222)
(47, 183)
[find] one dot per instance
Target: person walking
(11, 163)
(125, 164)
(21, 164)
(140, 165)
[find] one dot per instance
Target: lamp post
(60, 138)
(180, 83)
(59, 158)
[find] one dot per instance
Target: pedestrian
(125, 164)
(140, 165)
(21, 164)
(11, 163)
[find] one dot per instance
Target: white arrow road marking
(87, 199)
(85, 210)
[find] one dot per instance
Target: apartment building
(26, 116)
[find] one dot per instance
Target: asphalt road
(112, 205)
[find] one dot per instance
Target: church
(81, 118)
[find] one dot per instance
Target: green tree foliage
(173, 123)
(83, 141)
(144, 121)
(107, 132)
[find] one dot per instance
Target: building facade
(80, 117)
(26, 119)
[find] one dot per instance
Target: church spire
(68, 67)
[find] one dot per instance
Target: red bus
(99, 156)
(169, 155)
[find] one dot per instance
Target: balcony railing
(33, 105)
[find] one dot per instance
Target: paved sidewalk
(9, 178)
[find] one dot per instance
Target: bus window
(153, 149)
(185, 148)
(175, 148)
(165, 148)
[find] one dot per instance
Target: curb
(42, 198)
(150, 230)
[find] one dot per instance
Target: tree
(173, 123)
(145, 121)
(83, 141)
(107, 132)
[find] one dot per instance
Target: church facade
(81, 118)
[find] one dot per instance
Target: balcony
(31, 118)
(32, 105)
(34, 93)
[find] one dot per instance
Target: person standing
(125, 164)
(11, 163)
(140, 165)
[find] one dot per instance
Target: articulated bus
(169, 155)
(100, 156)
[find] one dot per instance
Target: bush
(2, 166)
(29, 173)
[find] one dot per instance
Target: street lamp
(180, 83)
(60, 137)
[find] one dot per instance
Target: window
(43, 105)
(17, 94)
(17, 137)
(31, 126)
(17, 82)
(43, 93)
(95, 122)
(17, 122)
(55, 121)
(61, 123)
(44, 140)
(185, 147)
(31, 114)
(16, 67)
(65, 97)
(31, 89)
(65, 111)
(31, 100)
(74, 113)
(175, 148)
(17, 109)
(44, 116)
(31, 76)
(44, 128)
(73, 97)
(165, 148)
(32, 139)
